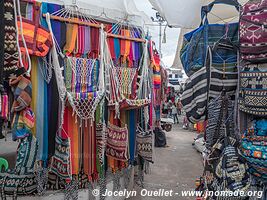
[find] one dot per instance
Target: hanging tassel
(147, 168)
(127, 176)
(71, 190)
(139, 178)
(91, 187)
(103, 186)
(42, 179)
(116, 181)
(117, 110)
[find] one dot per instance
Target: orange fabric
(127, 45)
(73, 131)
(71, 37)
(86, 141)
(38, 41)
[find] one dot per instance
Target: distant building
(175, 77)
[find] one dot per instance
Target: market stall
(82, 92)
(226, 66)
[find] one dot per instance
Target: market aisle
(176, 167)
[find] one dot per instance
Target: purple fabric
(87, 40)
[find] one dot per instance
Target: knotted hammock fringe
(85, 107)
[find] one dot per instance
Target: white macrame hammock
(85, 104)
(120, 80)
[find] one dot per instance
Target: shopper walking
(174, 114)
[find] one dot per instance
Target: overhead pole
(160, 20)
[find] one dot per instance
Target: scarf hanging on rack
(132, 134)
(117, 46)
(155, 59)
(73, 130)
(125, 45)
(80, 41)
(71, 37)
(131, 55)
(111, 43)
(39, 106)
(59, 30)
(87, 40)
(89, 156)
(138, 52)
(11, 55)
(94, 42)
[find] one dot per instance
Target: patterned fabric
(253, 147)
(144, 145)
(215, 129)
(194, 98)
(101, 139)
(155, 61)
(253, 36)
(71, 190)
(41, 178)
(253, 91)
(21, 180)
(205, 84)
(38, 39)
(11, 55)
(82, 74)
(225, 168)
(22, 124)
(194, 50)
(82, 77)
(60, 163)
(117, 142)
(26, 157)
(14, 184)
(22, 93)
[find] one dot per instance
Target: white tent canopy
(186, 13)
(117, 10)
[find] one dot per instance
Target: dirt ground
(176, 167)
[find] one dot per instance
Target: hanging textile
(21, 180)
(2, 38)
(60, 162)
(71, 36)
(144, 140)
(82, 77)
(89, 150)
(117, 142)
(39, 106)
(215, 129)
(10, 42)
(95, 40)
(132, 134)
(73, 128)
(59, 30)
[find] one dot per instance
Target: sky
(172, 34)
